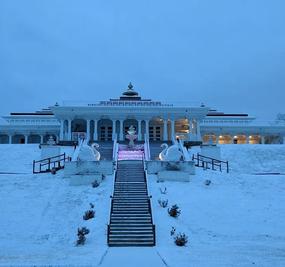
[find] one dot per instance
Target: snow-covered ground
(236, 221)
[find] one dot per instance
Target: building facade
(109, 120)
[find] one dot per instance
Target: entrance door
(106, 133)
(155, 133)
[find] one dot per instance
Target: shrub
(173, 230)
(91, 205)
(81, 232)
(81, 240)
(174, 211)
(208, 182)
(95, 184)
(89, 214)
(181, 240)
(163, 190)
(163, 203)
(53, 171)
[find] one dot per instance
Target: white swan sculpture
(88, 153)
(171, 153)
(162, 154)
(95, 146)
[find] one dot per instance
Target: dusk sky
(229, 55)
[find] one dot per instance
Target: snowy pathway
(131, 257)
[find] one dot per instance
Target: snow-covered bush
(53, 171)
(163, 190)
(174, 211)
(173, 230)
(208, 182)
(95, 184)
(181, 240)
(89, 214)
(81, 232)
(163, 203)
(81, 240)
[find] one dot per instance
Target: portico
(110, 120)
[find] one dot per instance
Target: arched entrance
(4, 139)
(78, 129)
(127, 124)
(34, 139)
(105, 130)
(210, 139)
(18, 139)
(156, 129)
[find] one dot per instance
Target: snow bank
(251, 159)
(236, 221)
(255, 158)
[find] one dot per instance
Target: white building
(109, 120)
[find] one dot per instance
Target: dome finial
(130, 87)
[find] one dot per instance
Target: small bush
(208, 182)
(173, 230)
(89, 214)
(163, 190)
(163, 203)
(83, 231)
(95, 184)
(91, 205)
(53, 171)
(181, 240)
(81, 240)
(174, 211)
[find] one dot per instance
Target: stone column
(139, 130)
(95, 136)
(283, 140)
(61, 130)
(198, 131)
(247, 139)
(26, 138)
(121, 130)
(42, 139)
(10, 138)
(172, 122)
(69, 134)
(87, 130)
(165, 135)
(114, 130)
(147, 128)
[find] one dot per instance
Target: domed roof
(130, 91)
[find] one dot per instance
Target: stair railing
(111, 204)
(146, 147)
(150, 204)
(47, 164)
(204, 162)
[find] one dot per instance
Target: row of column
(121, 133)
(26, 137)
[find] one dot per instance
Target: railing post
(227, 167)
(213, 167)
(154, 234)
(34, 162)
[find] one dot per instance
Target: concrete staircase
(106, 150)
(131, 218)
(155, 148)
